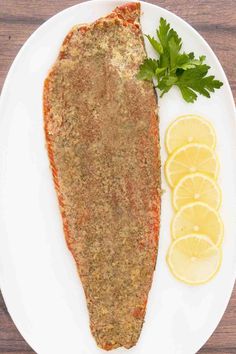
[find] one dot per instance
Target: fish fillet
(102, 138)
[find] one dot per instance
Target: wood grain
(214, 19)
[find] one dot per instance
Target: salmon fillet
(102, 139)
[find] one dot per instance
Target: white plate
(38, 278)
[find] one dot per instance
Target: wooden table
(214, 19)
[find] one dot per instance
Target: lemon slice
(198, 218)
(196, 187)
(191, 158)
(189, 129)
(194, 259)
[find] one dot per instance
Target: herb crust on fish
(102, 135)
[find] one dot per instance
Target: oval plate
(38, 277)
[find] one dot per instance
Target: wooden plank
(215, 20)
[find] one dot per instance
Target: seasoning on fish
(103, 145)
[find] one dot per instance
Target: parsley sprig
(176, 68)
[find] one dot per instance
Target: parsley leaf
(148, 69)
(166, 83)
(196, 80)
(156, 45)
(174, 68)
